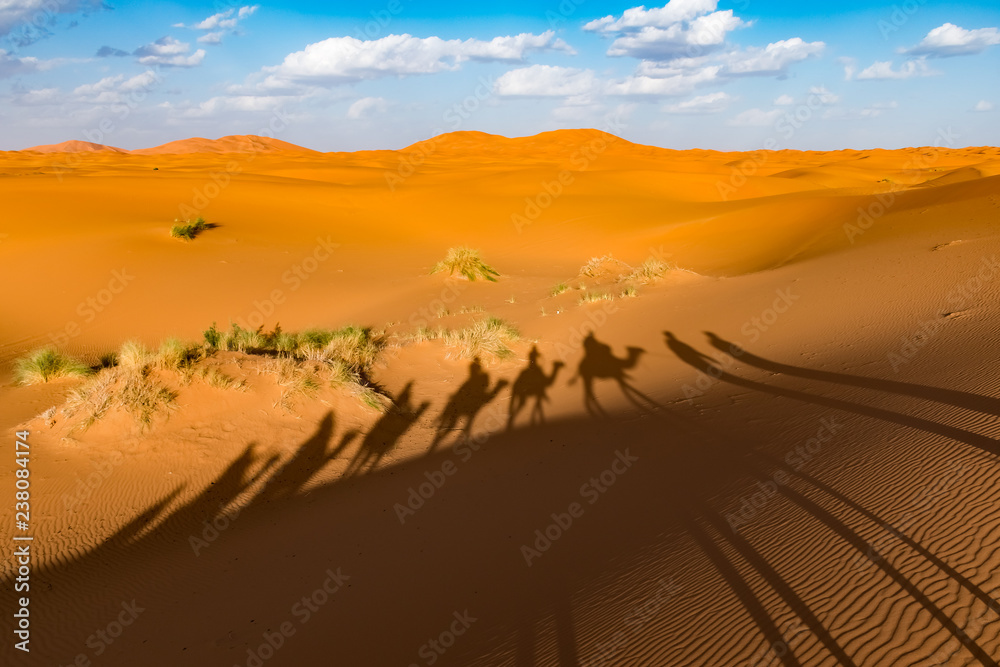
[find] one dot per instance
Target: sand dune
(781, 451)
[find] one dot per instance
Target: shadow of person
(466, 402)
(531, 383)
(386, 432)
(599, 363)
(309, 458)
(959, 399)
(710, 366)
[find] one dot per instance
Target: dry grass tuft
(47, 364)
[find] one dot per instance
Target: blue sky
(386, 73)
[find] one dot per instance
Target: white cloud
(773, 58)
(851, 114)
(952, 40)
(755, 118)
(824, 96)
(12, 65)
(104, 85)
(983, 105)
(677, 84)
(26, 20)
(211, 38)
(546, 81)
(217, 25)
(711, 103)
(690, 38)
(227, 104)
(784, 101)
(882, 71)
(169, 52)
(346, 59)
(38, 97)
(367, 106)
(673, 12)
(142, 81)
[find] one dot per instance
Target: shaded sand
(787, 455)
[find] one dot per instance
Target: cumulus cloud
(882, 71)
(825, 97)
(983, 105)
(951, 40)
(110, 52)
(702, 104)
(662, 41)
(228, 104)
(346, 59)
(169, 52)
(41, 96)
(755, 118)
(12, 65)
(546, 81)
(784, 101)
(218, 25)
(367, 106)
(676, 84)
(773, 58)
(27, 21)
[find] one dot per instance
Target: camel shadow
(386, 432)
(532, 383)
(600, 363)
(463, 406)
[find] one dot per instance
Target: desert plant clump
(599, 267)
(558, 289)
(648, 271)
(467, 263)
(47, 364)
(593, 297)
(189, 229)
(489, 336)
(629, 292)
(132, 389)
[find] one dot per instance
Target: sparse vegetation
(132, 389)
(629, 292)
(559, 289)
(592, 297)
(488, 336)
(599, 267)
(648, 271)
(189, 229)
(47, 364)
(467, 263)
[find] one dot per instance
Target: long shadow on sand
(423, 545)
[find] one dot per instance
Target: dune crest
(75, 146)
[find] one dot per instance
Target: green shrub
(47, 364)
(189, 229)
(467, 263)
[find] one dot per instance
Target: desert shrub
(559, 289)
(132, 389)
(629, 292)
(47, 364)
(648, 271)
(489, 336)
(172, 355)
(592, 297)
(467, 263)
(189, 229)
(598, 267)
(133, 354)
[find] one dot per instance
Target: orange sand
(827, 497)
